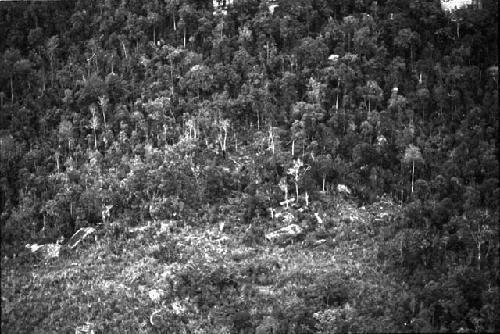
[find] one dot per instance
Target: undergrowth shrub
(168, 252)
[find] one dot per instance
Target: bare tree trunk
(57, 161)
(286, 197)
(11, 90)
(267, 52)
(297, 192)
(478, 255)
(411, 57)
(412, 175)
(171, 78)
(124, 50)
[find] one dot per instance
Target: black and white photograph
(249, 166)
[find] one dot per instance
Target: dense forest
(118, 113)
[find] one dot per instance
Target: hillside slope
(115, 113)
(331, 281)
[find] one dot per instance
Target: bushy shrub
(337, 320)
(168, 252)
(22, 225)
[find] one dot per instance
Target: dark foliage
(131, 111)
